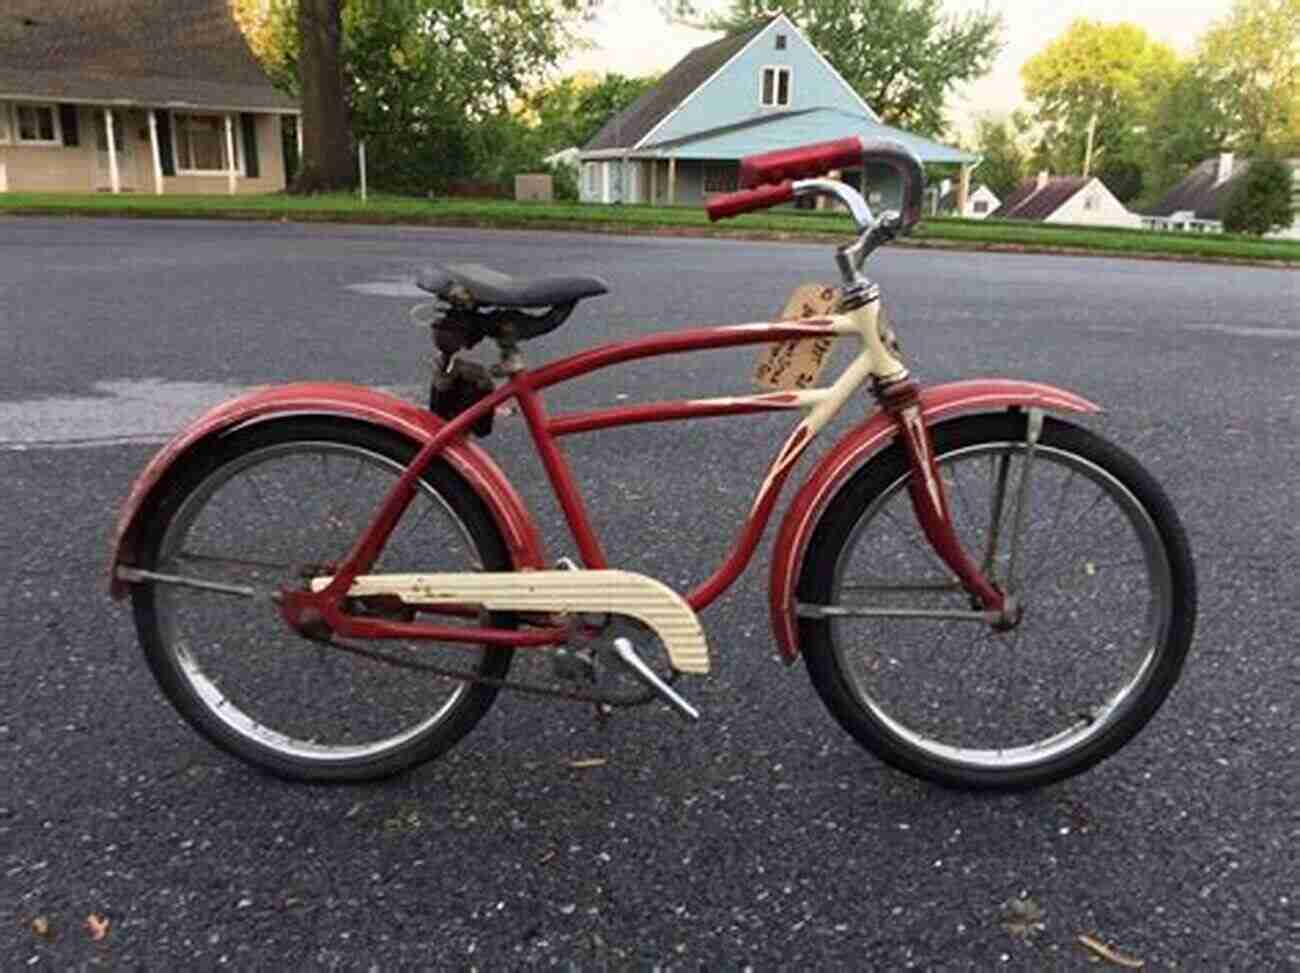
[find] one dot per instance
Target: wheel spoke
(1004, 701)
(295, 704)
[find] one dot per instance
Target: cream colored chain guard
(637, 596)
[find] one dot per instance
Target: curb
(623, 229)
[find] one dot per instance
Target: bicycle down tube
(873, 361)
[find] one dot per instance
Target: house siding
(734, 93)
(80, 169)
(1108, 210)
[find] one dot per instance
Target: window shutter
(248, 123)
(68, 120)
(165, 156)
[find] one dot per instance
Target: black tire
(235, 671)
(985, 719)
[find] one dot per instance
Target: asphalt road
(761, 836)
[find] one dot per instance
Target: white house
(1197, 203)
(979, 204)
(1066, 199)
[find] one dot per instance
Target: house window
(37, 124)
(1091, 202)
(201, 143)
(721, 177)
(591, 171)
(776, 87)
(981, 206)
(4, 123)
(780, 42)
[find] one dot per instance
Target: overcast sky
(631, 37)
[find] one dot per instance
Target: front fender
(332, 399)
(859, 445)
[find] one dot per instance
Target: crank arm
(614, 699)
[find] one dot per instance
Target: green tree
(1254, 55)
(1261, 202)
(903, 57)
(326, 162)
(1004, 165)
(1093, 70)
(1123, 177)
(572, 110)
(1189, 122)
(421, 78)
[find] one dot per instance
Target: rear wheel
(272, 507)
(1107, 586)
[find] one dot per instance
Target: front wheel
(274, 506)
(1104, 575)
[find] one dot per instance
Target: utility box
(534, 187)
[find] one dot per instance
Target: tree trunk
(327, 151)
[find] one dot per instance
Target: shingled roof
(1201, 192)
(146, 52)
(1029, 202)
(631, 125)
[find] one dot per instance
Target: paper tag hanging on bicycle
(797, 364)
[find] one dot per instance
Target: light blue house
(754, 92)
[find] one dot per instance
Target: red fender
(859, 445)
(334, 399)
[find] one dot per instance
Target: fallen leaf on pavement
(1110, 955)
(41, 927)
(588, 762)
(1022, 917)
(97, 926)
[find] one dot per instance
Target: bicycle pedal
(626, 654)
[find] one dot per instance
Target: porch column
(297, 126)
(963, 189)
(232, 170)
(114, 177)
(625, 190)
(157, 153)
(654, 181)
(672, 180)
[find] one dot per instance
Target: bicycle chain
(534, 689)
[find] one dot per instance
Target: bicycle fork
(930, 503)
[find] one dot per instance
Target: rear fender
(331, 399)
(855, 448)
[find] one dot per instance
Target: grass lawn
(780, 224)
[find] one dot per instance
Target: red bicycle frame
(302, 608)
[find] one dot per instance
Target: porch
(116, 148)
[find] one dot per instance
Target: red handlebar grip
(748, 200)
(801, 163)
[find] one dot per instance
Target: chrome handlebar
(872, 231)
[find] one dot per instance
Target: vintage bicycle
(331, 583)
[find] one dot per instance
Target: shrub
(1261, 202)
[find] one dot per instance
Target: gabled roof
(147, 52)
(631, 125)
(949, 199)
(1029, 202)
(1201, 192)
(781, 130)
